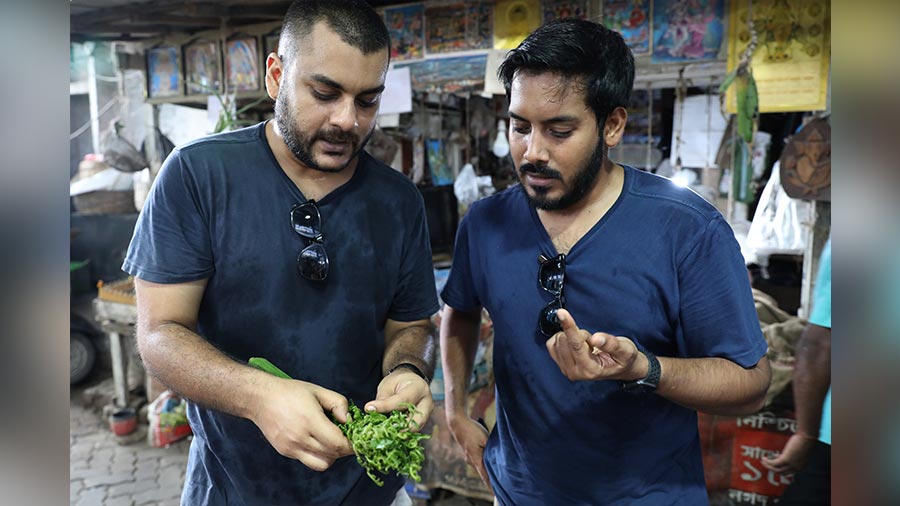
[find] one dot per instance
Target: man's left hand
(581, 355)
(403, 386)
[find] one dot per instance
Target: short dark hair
(575, 48)
(355, 21)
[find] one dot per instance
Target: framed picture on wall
(164, 75)
(270, 43)
(242, 63)
(202, 67)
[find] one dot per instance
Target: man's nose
(344, 116)
(535, 150)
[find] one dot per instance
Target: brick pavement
(105, 470)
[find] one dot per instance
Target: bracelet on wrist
(412, 367)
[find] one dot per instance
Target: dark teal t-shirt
(663, 268)
(220, 209)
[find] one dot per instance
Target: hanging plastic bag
(777, 226)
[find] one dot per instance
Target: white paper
(389, 120)
(492, 84)
(397, 96)
(702, 128)
(106, 180)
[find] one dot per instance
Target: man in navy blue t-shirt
(286, 241)
(620, 302)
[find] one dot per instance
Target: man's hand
(403, 386)
(292, 416)
(794, 455)
(581, 355)
(472, 437)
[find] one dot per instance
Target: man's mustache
(338, 137)
(540, 171)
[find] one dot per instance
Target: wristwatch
(648, 383)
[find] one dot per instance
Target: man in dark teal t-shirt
(286, 241)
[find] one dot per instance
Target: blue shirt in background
(821, 316)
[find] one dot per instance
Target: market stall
(730, 99)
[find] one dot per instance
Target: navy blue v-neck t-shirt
(220, 210)
(662, 267)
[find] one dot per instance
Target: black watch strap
(648, 383)
(412, 367)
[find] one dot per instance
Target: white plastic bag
(778, 224)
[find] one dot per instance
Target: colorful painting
(242, 64)
(406, 26)
(448, 75)
(164, 72)
(687, 30)
(792, 58)
(559, 9)
(631, 18)
(441, 174)
(479, 24)
(201, 64)
(445, 28)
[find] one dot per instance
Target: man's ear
(614, 127)
(274, 75)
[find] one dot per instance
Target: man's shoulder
(502, 205)
(214, 143)
(387, 178)
(658, 191)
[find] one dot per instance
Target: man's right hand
(292, 416)
(472, 437)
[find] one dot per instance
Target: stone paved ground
(107, 471)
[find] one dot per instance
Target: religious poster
(164, 72)
(406, 25)
(445, 28)
(448, 75)
(631, 18)
(792, 56)
(514, 20)
(559, 9)
(242, 64)
(687, 30)
(201, 62)
(479, 24)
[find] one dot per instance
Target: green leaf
(728, 80)
(385, 443)
(264, 365)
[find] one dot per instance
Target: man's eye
(521, 129)
(559, 134)
(366, 104)
(325, 97)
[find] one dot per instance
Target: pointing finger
(573, 333)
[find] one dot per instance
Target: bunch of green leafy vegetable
(386, 442)
(381, 442)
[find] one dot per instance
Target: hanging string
(649, 162)
(680, 92)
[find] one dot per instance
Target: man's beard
(582, 182)
(302, 145)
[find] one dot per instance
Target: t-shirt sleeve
(718, 316)
(171, 242)
(459, 291)
(416, 296)
(821, 309)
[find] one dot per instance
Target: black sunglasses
(312, 263)
(552, 277)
